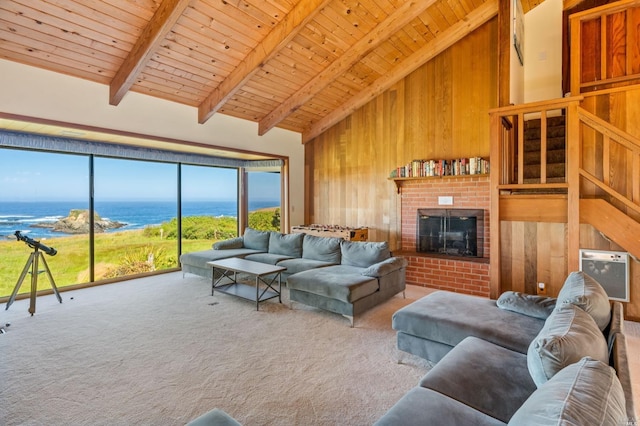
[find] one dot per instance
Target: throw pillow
(527, 304)
(286, 244)
(585, 393)
(582, 290)
(568, 335)
(233, 243)
(385, 267)
(324, 249)
(256, 240)
(362, 254)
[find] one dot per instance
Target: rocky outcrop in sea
(77, 222)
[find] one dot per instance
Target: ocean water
(20, 216)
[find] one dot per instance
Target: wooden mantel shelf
(398, 181)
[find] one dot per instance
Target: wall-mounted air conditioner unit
(610, 269)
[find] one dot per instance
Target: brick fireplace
(462, 275)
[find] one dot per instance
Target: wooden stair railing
(616, 225)
(627, 147)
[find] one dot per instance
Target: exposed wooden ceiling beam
(158, 27)
(392, 24)
(446, 39)
(570, 4)
(282, 33)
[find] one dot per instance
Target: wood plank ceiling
(300, 65)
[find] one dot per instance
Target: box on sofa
(573, 371)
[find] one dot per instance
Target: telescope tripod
(32, 263)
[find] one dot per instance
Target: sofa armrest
(233, 243)
(531, 305)
(385, 267)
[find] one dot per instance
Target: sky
(38, 176)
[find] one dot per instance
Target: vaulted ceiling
(302, 65)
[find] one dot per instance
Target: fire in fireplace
(450, 232)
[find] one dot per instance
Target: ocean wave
(41, 219)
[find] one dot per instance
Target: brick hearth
(454, 274)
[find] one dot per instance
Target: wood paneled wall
(533, 252)
(438, 111)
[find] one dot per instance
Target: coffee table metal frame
(229, 269)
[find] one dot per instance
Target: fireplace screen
(451, 232)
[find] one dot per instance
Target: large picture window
(111, 217)
(209, 210)
(264, 200)
(41, 196)
(130, 197)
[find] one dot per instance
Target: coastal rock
(77, 222)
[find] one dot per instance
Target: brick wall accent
(459, 275)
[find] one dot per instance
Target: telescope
(35, 244)
(32, 267)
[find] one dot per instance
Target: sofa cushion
(299, 265)
(475, 364)
(568, 335)
(385, 267)
(421, 406)
(362, 254)
(321, 248)
(339, 282)
(287, 244)
(232, 243)
(257, 240)
(583, 291)
(268, 258)
(200, 258)
(584, 393)
(447, 318)
(527, 304)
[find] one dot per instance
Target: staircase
(556, 150)
(612, 222)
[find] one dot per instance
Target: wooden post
(574, 163)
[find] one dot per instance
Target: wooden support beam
(285, 31)
(158, 27)
(497, 159)
(505, 31)
(381, 33)
(446, 39)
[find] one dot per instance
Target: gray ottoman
(215, 417)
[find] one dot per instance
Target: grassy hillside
(122, 253)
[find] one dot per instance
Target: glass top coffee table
(228, 273)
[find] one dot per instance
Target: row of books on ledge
(432, 168)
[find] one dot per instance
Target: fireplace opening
(450, 232)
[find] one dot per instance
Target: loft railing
(605, 45)
(507, 135)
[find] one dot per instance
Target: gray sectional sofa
(520, 360)
(345, 277)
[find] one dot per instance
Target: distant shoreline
(134, 214)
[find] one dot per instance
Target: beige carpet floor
(162, 350)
